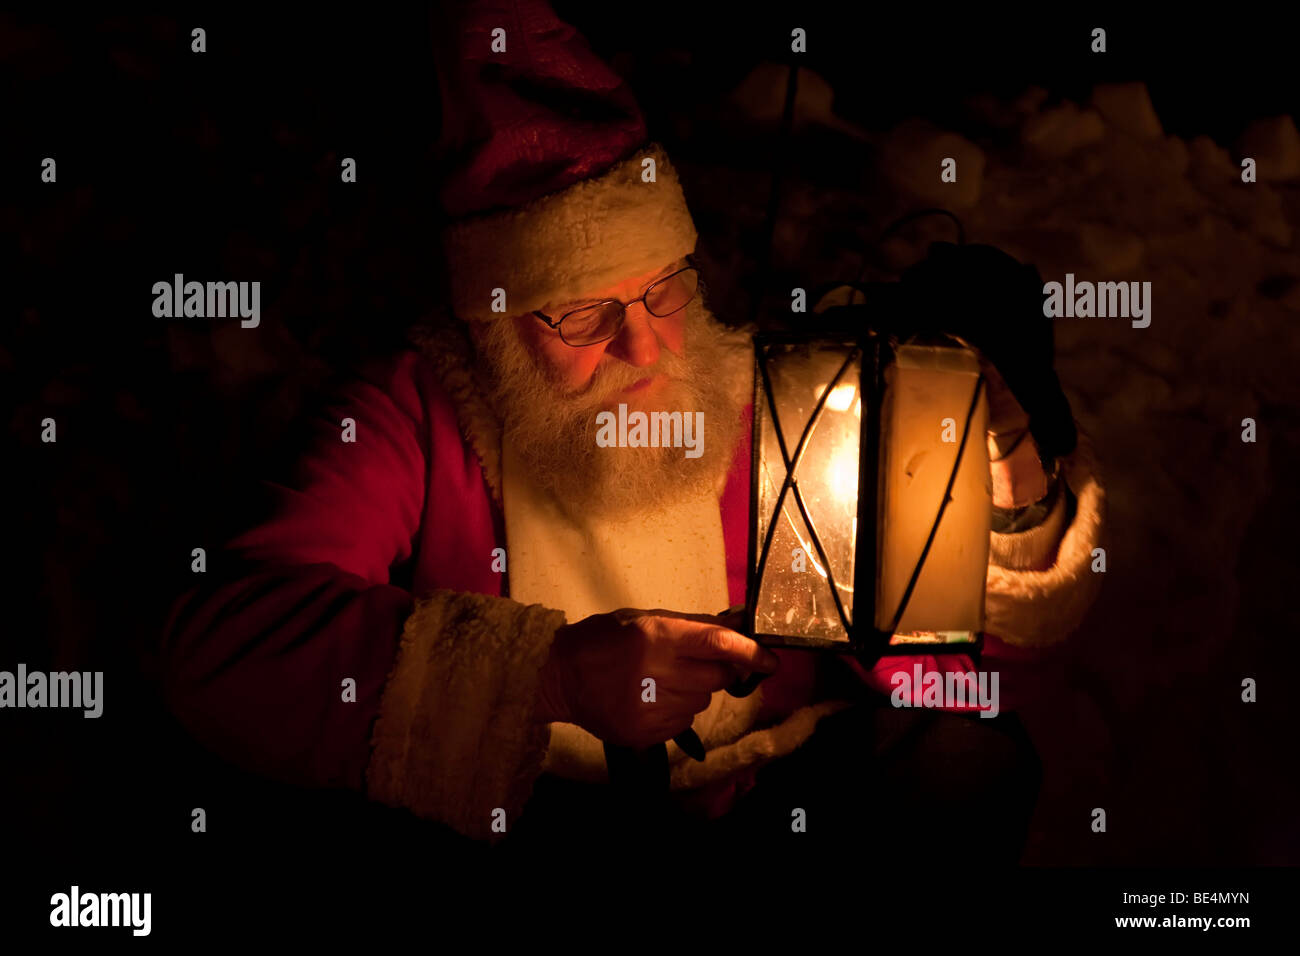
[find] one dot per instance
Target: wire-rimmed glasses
(599, 321)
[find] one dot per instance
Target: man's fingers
(1005, 413)
(697, 675)
(733, 618)
(683, 702)
(707, 637)
(680, 616)
(719, 644)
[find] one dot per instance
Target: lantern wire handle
(943, 505)
(790, 483)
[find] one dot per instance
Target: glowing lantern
(870, 507)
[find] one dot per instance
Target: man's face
(550, 395)
(638, 344)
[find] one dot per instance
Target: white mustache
(609, 381)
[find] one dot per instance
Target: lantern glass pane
(928, 393)
(795, 598)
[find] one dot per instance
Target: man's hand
(594, 676)
(995, 303)
(1017, 471)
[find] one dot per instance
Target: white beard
(554, 434)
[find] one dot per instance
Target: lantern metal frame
(865, 640)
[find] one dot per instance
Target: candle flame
(840, 398)
(844, 476)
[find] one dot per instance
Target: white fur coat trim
(1039, 608)
(457, 738)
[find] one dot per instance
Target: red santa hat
(550, 182)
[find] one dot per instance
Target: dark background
(226, 165)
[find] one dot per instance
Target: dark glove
(984, 296)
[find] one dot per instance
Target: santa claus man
(461, 592)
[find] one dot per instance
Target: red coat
(320, 589)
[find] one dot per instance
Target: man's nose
(636, 342)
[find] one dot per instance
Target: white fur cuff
(593, 234)
(1038, 608)
(1033, 548)
(457, 737)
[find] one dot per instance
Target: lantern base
(915, 643)
(911, 644)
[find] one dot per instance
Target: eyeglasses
(600, 321)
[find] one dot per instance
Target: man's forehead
(630, 283)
